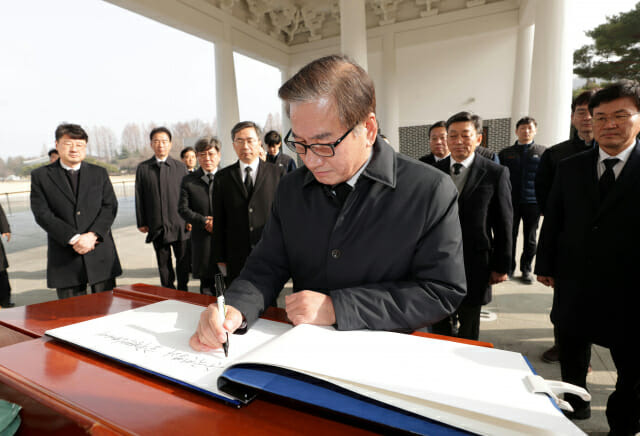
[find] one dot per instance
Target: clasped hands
(304, 307)
(85, 243)
(208, 224)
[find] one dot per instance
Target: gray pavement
(521, 323)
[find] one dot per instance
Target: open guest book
(417, 384)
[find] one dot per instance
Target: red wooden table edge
(80, 415)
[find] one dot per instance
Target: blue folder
(248, 380)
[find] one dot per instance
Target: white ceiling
(300, 21)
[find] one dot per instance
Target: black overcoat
(196, 203)
(237, 219)
(590, 248)
(62, 216)
(158, 208)
(390, 257)
(549, 163)
(4, 228)
(486, 218)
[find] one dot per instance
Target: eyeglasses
(207, 154)
(322, 150)
(617, 119)
(160, 141)
(241, 141)
(78, 144)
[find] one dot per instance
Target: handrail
(7, 195)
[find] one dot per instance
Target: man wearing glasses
(588, 252)
(157, 193)
(74, 203)
(196, 207)
(370, 237)
(582, 141)
(242, 196)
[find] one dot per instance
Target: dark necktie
(608, 178)
(342, 191)
(248, 181)
(73, 180)
(210, 175)
(456, 169)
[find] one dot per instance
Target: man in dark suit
(273, 141)
(370, 237)
(188, 158)
(242, 196)
(522, 159)
(157, 194)
(437, 143)
(582, 141)
(588, 253)
(196, 207)
(73, 201)
(53, 155)
(5, 286)
(486, 215)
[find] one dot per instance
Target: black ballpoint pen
(222, 310)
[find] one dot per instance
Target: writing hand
(144, 229)
(210, 333)
(310, 307)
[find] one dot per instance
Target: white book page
(156, 338)
(476, 388)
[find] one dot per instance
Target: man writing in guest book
(370, 238)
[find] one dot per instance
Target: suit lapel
(85, 180)
(204, 178)
(235, 176)
(59, 178)
(476, 172)
(260, 176)
(625, 180)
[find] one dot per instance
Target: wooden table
(67, 391)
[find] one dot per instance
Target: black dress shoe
(552, 355)
(8, 305)
(582, 413)
(527, 278)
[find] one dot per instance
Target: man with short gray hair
(196, 208)
(242, 196)
(370, 237)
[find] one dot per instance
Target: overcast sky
(92, 63)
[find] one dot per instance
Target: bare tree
(109, 144)
(133, 138)
(273, 122)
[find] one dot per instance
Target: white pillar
(522, 79)
(286, 124)
(226, 96)
(353, 31)
(552, 70)
(388, 105)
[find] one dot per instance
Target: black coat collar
(382, 167)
